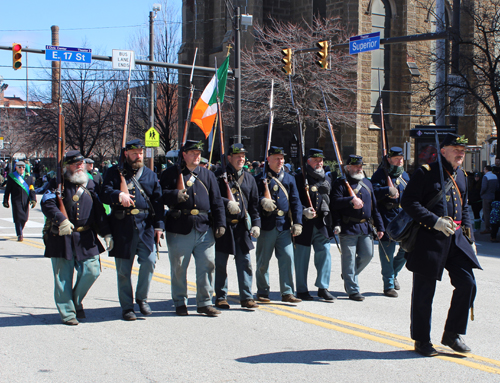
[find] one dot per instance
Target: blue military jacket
(317, 199)
(432, 247)
(354, 221)
(204, 196)
(87, 211)
(280, 218)
(388, 207)
(236, 234)
(122, 219)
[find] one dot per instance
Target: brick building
(207, 25)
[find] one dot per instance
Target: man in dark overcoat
(70, 237)
(242, 223)
(136, 220)
(194, 219)
(444, 241)
(315, 232)
(353, 216)
(20, 189)
(389, 206)
(281, 217)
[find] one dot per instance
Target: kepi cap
(192, 145)
(454, 140)
(315, 153)
(395, 151)
(237, 149)
(275, 150)
(73, 156)
(134, 144)
(354, 159)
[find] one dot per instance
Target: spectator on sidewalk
(489, 186)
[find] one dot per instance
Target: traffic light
(16, 56)
(322, 54)
(287, 60)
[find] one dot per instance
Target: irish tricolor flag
(205, 110)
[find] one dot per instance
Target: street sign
(123, 59)
(74, 55)
(364, 43)
(152, 139)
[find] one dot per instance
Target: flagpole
(214, 130)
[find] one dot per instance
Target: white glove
(336, 230)
(182, 196)
(268, 204)
(255, 231)
(66, 227)
(445, 225)
(296, 229)
(233, 207)
(109, 242)
(309, 213)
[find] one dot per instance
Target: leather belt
(81, 228)
(194, 212)
(346, 219)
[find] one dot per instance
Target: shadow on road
(325, 356)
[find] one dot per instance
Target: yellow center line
(338, 325)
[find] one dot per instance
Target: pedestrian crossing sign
(152, 139)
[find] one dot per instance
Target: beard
(356, 176)
(79, 177)
(137, 164)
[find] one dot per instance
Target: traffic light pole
(237, 73)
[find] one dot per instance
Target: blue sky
(101, 25)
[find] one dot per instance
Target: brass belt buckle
(195, 212)
(281, 213)
(362, 221)
(134, 211)
(234, 221)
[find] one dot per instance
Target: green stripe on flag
(222, 80)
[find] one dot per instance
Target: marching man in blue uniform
(389, 205)
(353, 215)
(243, 223)
(315, 232)
(281, 217)
(137, 222)
(194, 219)
(71, 241)
(442, 242)
(21, 191)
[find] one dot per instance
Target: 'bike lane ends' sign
(364, 43)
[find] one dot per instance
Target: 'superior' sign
(74, 55)
(364, 43)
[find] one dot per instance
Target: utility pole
(440, 65)
(237, 73)
(56, 67)
(152, 16)
(455, 48)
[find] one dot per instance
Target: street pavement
(316, 341)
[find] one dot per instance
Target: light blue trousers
(357, 252)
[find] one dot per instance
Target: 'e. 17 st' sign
(364, 43)
(74, 55)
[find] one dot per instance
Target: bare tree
(475, 75)
(263, 63)
(166, 45)
(89, 94)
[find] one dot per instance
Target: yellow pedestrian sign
(152, 138)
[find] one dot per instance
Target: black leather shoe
(391, 293)
(454, 341)
(425, 348)
(129, 315)
(356, 297)
(325, 294)
(182, 311)
(305, 296)
(80, 314)
(144, 307)
(208, 310)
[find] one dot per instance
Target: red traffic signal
(17, 56)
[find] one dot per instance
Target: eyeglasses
(20, 166)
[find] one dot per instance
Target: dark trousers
(19, 227)
(459, 267)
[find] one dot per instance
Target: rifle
(121, 163)
(229, 193)
(336, 147)
(301, 145)
(61, 144)
(180, 178)
(383, 133)
(267, 193)
(441, 175)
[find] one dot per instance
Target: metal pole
(455, 47)
(440, 65)
(151, 82)
(237, 73)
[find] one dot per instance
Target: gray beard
(357, 177)
(79, 178)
